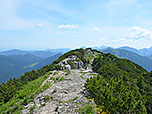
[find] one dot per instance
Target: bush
(122, 85)
(87, 109)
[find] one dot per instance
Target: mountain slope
(146, 52)
(29, 58)
(130, 49)
(141, 60)
(16, 65)
(143, 52)
(120, 86)
(10, 67)
(47, 61)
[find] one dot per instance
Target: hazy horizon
(44, 49)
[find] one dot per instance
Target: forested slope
(123, 86)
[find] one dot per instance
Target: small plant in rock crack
(55, 73)
(32, 109)
(43, 105)
(54, 91)
(61, 78)
(67, 72)
(57, 79)
(52, 78)
(47, 98)
(71, 100)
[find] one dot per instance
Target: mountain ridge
(141, 60)
(16, 65)
(115, 76)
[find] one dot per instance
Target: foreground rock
(64, 97)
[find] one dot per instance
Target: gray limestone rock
(68, 98)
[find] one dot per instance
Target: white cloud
(138, 32)
(40, 25)
(68, 26)
(97, 29)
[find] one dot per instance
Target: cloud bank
(138, 33)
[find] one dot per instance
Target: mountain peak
(77, 59)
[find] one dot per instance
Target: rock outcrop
(74, 62)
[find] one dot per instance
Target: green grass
(87, 109)
(90, 57)
(57, 79)
(83, 73)
(71, 100)
(25, 95)
(32, 109)
(55, 73)
(92, 74)
(73, 66)
(67, 72)
(47, 98)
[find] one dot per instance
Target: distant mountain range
(10, 67)
(43, 54)
(145, 62)
(50, 52)
(14, 63)
(47, 61)
(143, 52)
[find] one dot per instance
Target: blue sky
(44, 24)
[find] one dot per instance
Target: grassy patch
(26, 94)
(55, 73)
(67, 72)
(32, 109)
(87, 109)
(71, 100)
(83, 73)
(73, 66)
(57, 79)
(93, 74)
(47, 98)
(46, 85)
